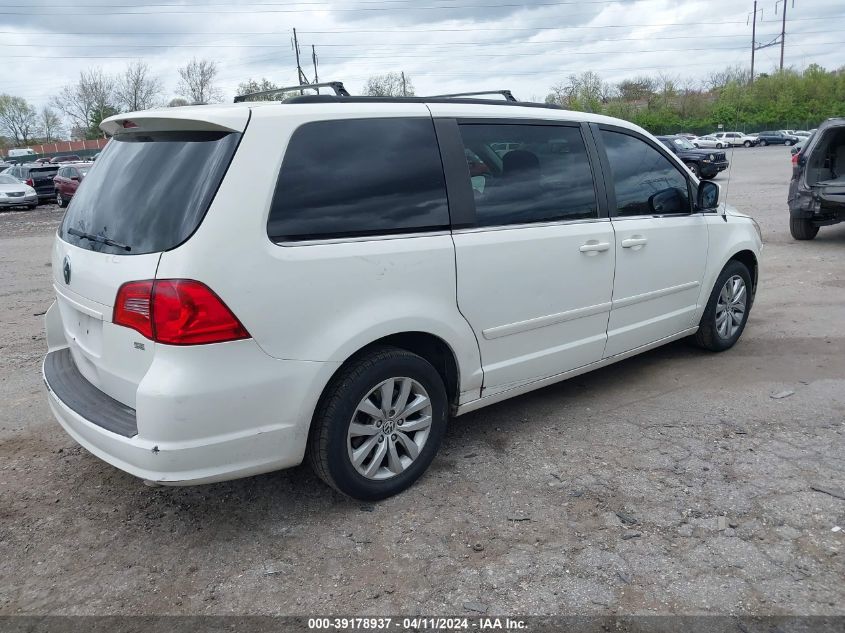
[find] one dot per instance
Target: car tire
(747, 143)
(719, 329)
(355, 393)
(696, 145)
(802, 229)
(31, 207)
(719, 146)
(693, 168)
(60, 201)
(790, 143)
(764, 142)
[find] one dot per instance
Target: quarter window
(359, 177)
(645, 181)
(528, 173)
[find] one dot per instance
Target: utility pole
(753, 39)
(314, 59)
(300, 75)
(782, 31)
(404, 90)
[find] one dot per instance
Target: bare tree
(637, 89)
(389, 85)
(197, 81)
(137, 88)
(585, 92)
(50, 124)
(18, 119)
(88, 101)
(253, 85)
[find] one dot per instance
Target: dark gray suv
(817, 191)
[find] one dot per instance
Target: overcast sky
(443, 45)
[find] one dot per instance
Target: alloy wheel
(389, 428)
(730, 307)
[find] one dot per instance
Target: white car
(242, 287)
(14, 193)
(736, 139)
(708, 142)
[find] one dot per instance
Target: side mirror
(708, 196)
(667, 201)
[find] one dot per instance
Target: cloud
(444, 45)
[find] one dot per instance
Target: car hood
(16, 187)
(700, 152)
(732, 211)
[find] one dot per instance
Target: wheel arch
(749, 260)
(429, 346)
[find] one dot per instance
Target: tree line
(665, 104)
(661, 103)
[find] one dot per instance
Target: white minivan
(241, 286)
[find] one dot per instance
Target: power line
(397, 45)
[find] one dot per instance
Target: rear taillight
(176, 312)
(29, 182)
(795, 159)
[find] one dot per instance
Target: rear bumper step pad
(70, 386)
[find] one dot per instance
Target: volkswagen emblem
(66, 269)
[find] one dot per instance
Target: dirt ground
(673, 482)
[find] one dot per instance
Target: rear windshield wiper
(99, 238)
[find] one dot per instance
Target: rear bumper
(208, 420)
(18, 202)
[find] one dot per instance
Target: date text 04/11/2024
(417, 624)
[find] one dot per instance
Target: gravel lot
(669, 483)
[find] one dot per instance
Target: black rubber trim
(456, 172)
(70, 386)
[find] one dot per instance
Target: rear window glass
(43, 172)
(148, 191)
(359, 177)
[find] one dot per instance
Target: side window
(528, 173)
(359, 177)
(645, 181)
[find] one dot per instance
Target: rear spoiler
(187, 119)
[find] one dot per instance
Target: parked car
(4, 166)
(66, 181)
(708, 141)
(701, 162)
(796, 149)
(14, 193)
(242, 287)
(39, 177)
(776, 138)
(801, 133)
(687, 135)
(19, 152)
(41, 161)
(736, 139)
(817, 189)
(65, 158)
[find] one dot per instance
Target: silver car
(14, 193)
(707, 142)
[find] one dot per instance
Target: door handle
(633, 242)
(594, 246)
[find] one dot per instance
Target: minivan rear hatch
(42, 179)
(147, 193)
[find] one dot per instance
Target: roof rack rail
(337, 86)
(507, 94)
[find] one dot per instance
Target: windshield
(9, 180)
(683, 143)
(148, 190)
(83, 169)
